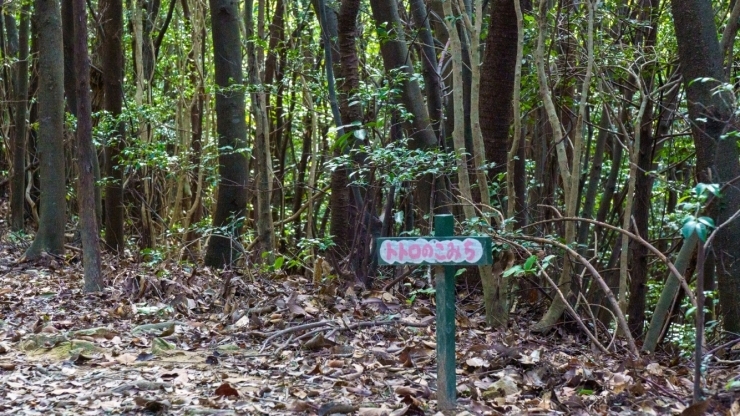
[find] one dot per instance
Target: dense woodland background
(596, 141)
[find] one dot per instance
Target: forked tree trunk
(231, 129)
(50, 138)
(570, 175)
(86, 158)
(496, 312)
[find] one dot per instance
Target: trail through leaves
(172, 339)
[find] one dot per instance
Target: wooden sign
(439, 251)
(444, 251)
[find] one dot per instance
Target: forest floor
(169, 339)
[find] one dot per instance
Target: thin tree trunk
(728, 37)
(594, 176)
(627, 217)
(70, 82)
(263, 173)
(432, 80)
(17, 180)
(86, 158)
(668, 295)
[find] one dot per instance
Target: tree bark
(263, 171)
(69, 53)
(231, 129)
(497, 84)
(343, 212)
(648, 13)
(716, 152)
(50, 138)
(113, 66)
(86, 158)
(17, 180)
(433, 84)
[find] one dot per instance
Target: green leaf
(703, 189)
(529, 263)
(513, 270)
(733, 384)
(279, 262)
(707, 221)
(700, 226)
(360, 134)
(547, 260)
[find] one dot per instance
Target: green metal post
(445, 296)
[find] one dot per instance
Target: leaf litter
(181, 340)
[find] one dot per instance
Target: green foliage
(530, 266)
(692, 223)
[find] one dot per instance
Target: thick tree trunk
(112, 51)
(17, 180)
(343, 212)
(497, 84)
(716, 152)
(50, 139)
(86, 158)
(232, 134)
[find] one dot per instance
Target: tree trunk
(716, 152)
(263, 171)
(343, 214)
(231, 129)
(86, 158)
(17, 180)
(433, 84)
(497, 84)
(648, 13)
(69, 53)
(112, 51)
(50, 139)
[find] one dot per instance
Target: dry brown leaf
(318, 342)
(335, 363)
(225, 390)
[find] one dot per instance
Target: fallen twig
(359, 325)
(398, 279)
